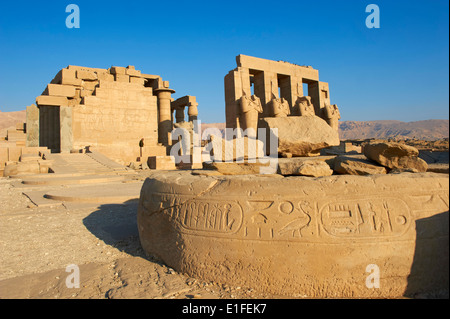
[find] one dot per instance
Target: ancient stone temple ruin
(260, 88)
(120, 112)
(316, 225)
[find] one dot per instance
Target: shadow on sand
(116, 225)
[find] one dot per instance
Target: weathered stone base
(302, 236)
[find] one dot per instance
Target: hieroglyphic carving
(366, 218)
(214, 216)
(294, 219)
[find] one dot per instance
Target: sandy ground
(37, 244)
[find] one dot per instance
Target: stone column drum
(302, 236)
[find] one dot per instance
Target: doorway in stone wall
(49, 127)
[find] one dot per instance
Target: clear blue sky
(397, 72)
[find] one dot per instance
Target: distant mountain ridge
(422, 130)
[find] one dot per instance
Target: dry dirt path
(38, 243)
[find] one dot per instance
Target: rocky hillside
(10, 119)
(421, 130)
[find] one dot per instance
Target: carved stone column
(164, 114)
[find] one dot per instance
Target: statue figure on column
(332, 116)
(304, 107)
(249, 110)
(279, 107)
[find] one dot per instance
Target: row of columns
(166, 107)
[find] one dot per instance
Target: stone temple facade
(120, 112)
(278, 87)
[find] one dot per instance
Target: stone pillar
(192, 111)
(179, 114)
(32, 126)
(66, 135)
(164, 114)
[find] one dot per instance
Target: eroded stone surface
(301, 135)
(299, 235)
(395, 155)
(356, 166)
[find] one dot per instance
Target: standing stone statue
(250, 107)
(332, 116)
(279, 107)
(304, 107)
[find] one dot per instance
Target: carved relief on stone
(304, 107)
(249, 109)
(332, 116)
(279, 107)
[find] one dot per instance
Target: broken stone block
(290, 166)
(301, 135)
(87, 75)
(357, 166)
(314, 169)
(395, 155)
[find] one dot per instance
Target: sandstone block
(136, 80)
(3, 156)
(237, 149)
(395, 155)
(87, 75)
(103, 76)
(118, 77)
(67, 77)
(133, 72)
(235, 168)
(290, 166)
(161, 162)
(118, 70)
(14, 153)
(28, 168)
(301, 135)
(297, 234)
(357, 166)
(314, 169)
(32, 125)
(60, 90)
(52, 100)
